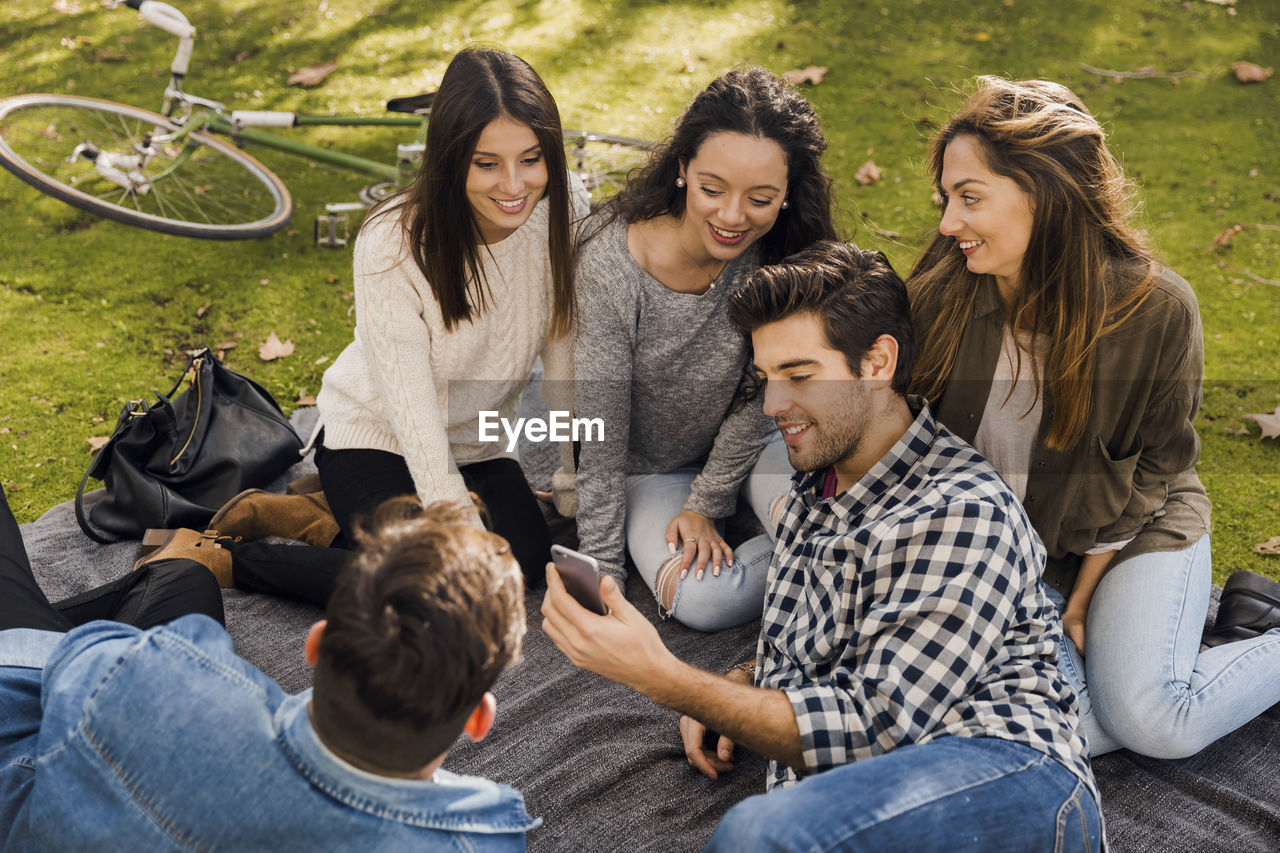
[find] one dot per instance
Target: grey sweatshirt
(660, 369)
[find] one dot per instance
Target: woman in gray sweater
(738, 185)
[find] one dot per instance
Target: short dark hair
(423, 619)
(855, 293)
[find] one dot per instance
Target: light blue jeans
(1149, 687)
(737, 594)
(949, 795)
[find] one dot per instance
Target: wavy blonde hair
(1086, 269)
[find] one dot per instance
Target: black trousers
(155, 594)
(355, 483)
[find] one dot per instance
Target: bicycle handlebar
(172, 21)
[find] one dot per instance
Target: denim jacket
(167, 740)
(1132, 474)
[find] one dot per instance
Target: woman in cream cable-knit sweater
(461, 281)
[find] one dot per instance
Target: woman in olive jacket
(1054, 342)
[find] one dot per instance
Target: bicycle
(172, 172)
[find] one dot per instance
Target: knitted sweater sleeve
(602, 389)
(396, 319)
(739, 441)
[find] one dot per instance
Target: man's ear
(481, 719)
(881, 360)
(311, 649)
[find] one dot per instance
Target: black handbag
(176, 462)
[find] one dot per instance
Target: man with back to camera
(166, 739)
(905, 687)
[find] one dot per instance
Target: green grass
(93, 313)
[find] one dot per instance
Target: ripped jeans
(737, 594)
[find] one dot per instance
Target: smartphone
(581, 576)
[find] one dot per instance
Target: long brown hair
(479, 86)
(753, 102)
(1085, 270)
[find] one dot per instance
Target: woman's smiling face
(507, 178)
(735, 186)
(989, 215)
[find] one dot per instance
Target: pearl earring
(680, 182)
(785, 204)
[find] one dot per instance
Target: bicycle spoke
(200, 186)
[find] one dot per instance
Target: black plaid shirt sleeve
(943, 603)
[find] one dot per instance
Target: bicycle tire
(604, 160)
(218, 192)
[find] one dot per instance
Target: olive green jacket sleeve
(1132, 473)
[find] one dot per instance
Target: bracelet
(749, 667)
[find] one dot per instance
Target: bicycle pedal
(332, 230)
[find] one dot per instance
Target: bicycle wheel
(603, 160)
(99, 156)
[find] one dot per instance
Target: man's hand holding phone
(616, 641)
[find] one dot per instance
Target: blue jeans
(1150, 688)
(952, 794)
(737, 594)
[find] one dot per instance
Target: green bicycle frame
(216, 123)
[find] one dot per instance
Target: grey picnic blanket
(603, 766)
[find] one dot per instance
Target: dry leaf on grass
(306, 400)
(1248, 72)
(200, 311)
(223, 346)
(869, 173)
(97, 442)
(811, 74)
(66, 7)
(1270, 423)
(5, 430)
(1225, 237)
(274, 348)
(1270, 548)
(312, 75)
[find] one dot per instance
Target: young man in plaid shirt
(905, 687)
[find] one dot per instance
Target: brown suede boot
(202, 548)
(306, 485)
(255, 513)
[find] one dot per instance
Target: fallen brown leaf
(1225, 237)
(1248, 72)
(200, 311)
(97, 420)
(97, 442)
(868, 173)
(1270, 548)
(66, 7)
(312, 75)
(811, 74)
(307, 400)
(5, 430)
(321, 360)
(226, 345)
(274, 348)
(1270, 423)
